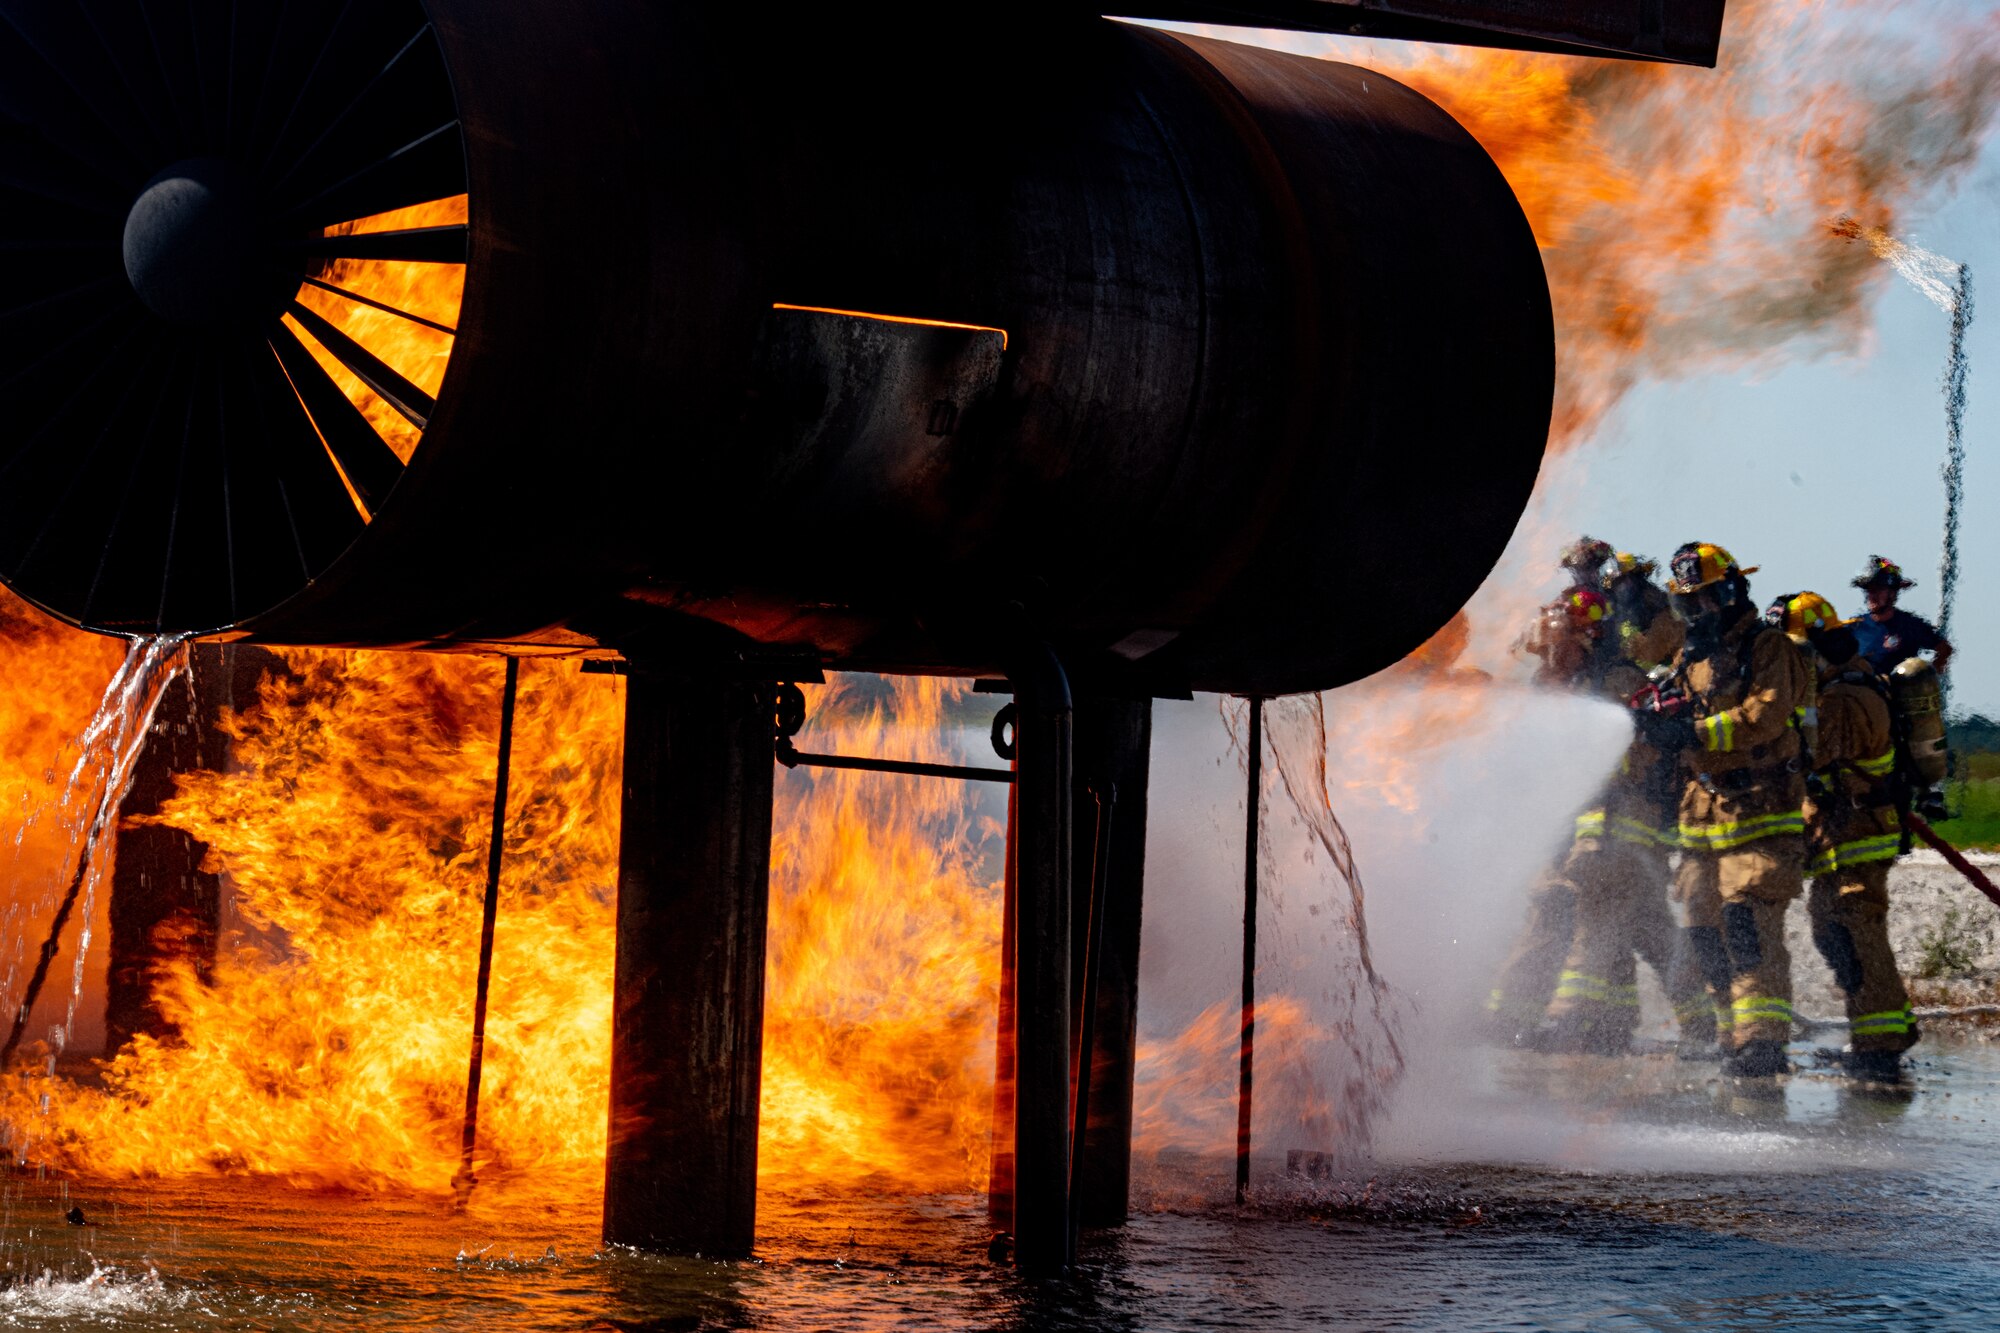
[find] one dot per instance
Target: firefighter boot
(1874, 1066)
(1758, 1058)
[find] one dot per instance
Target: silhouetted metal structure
(951, 341)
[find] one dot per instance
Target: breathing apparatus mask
(1710, 612)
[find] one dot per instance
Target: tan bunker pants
(1736, 901)
(1622, 918)
(1850, 924)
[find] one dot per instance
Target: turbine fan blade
(370, 465)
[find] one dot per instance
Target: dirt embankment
(1945, 932)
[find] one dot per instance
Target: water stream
(97, 769)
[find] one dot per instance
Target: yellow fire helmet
(1624, 562)
(1800, 614)
(1698, 564)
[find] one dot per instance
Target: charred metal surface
(165, 909)
(687, 1027)
(1113, 750)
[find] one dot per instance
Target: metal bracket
(789, 715)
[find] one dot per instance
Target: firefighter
(1565, 639)
(1645, 633)
(1617, 865)
(1888, 634)
(1853, 836)
(1741, 810)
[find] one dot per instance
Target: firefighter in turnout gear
(1565, 641)
(1853, 836)
(1617, 865)
(1741, 816)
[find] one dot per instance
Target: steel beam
(1113, 752)
(1042, 869)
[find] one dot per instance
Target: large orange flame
(330, 1046)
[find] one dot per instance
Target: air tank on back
(879, 343)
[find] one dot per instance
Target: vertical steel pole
(1252, 809)
(1113, 750)
(463, 1182)
(1042, 854)
(1000, 1169)
(1084, 1049)
(687, 1022)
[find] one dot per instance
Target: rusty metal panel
(1685, 32)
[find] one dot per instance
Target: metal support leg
(688, 1013)
(1042, 852)
(1113, 747)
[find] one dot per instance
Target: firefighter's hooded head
(1710, 591)
(1808, 618)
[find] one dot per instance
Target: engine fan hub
(193, 246)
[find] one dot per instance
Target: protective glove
(1671, 732)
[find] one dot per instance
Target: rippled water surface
(1629, 1194)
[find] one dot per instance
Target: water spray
(1947, 285)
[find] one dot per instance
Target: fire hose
(1921, 827)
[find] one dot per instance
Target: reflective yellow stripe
(1581, 986)
(1590, 824)
(1721, 837)
(1864, 850)
(1753, 1008)
(1718, 733)
(1627, 829)
(1889, 1020)
(1859, 852)
(1880, 766)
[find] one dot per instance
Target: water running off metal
(114, 739)
(463, 1182)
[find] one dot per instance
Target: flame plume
(1680, 213)
(329, 1049)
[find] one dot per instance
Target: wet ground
(1549, 1194)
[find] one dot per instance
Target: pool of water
(1583, 1194)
